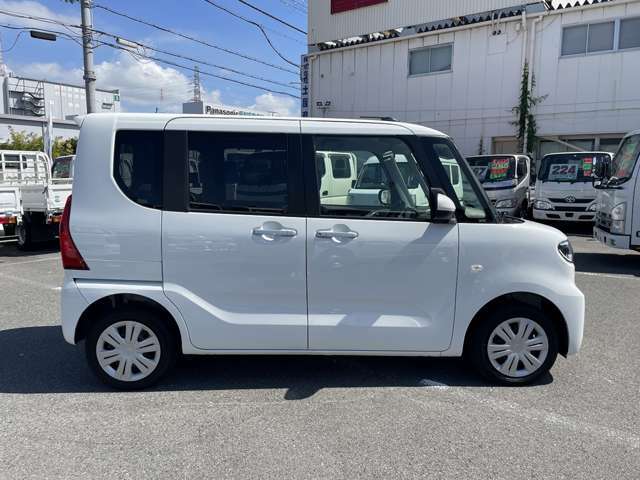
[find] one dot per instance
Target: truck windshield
(625, 159)
(62, 167)
(569, 167)
(494, 172)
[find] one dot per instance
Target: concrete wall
(593, 94)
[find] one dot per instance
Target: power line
(194, 60)
(202, 72)
(257, 25)
(277, 19)
(193, 39)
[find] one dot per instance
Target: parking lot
(304, 417)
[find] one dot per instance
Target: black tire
(9, 230)
(479, 356)
(25, 236)
(150, 320)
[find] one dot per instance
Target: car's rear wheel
(130, 349)
(25, 237)
(515, 345)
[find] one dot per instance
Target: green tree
(23, 141)
(64, 146)
(31, 142)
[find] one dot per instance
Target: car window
(467, 189)
(237, 172)
(340, 165)
(378, 178)
(321, 169)
(138, 166)
(61, 168)
(522, 168)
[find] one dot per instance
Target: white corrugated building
(456, 65)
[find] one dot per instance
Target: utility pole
(87, 51)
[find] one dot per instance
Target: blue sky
(146, 85)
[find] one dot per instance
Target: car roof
(164, 118)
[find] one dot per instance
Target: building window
(630, 33)
(590, 38)
(431, 60)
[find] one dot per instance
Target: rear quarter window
(137, 166)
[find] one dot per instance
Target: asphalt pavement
(319, 417)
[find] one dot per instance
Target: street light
(50, 37)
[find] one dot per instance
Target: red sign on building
(338, 6)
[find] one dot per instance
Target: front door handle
(274, 232)
(337, 234)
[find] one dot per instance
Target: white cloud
(145, 85)
(268, 102)
(35, 9)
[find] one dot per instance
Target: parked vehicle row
(33, 192)
(216, 235)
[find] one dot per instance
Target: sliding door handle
(274, 232)
(340, 235)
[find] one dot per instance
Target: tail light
(71, 258)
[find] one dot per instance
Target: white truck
(564, 188)
(618, 186)
(18, 170)
(43, 200)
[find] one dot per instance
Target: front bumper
(572, 306)
(559, 216)
(611, 239)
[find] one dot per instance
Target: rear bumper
(72, 306)
(612, 240)
(558, 216)
(8, 219)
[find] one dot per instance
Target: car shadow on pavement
(608, 263)
(37, 360)
(9, 249)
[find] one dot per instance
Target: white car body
(618, 217)
(399, 288)
(565, 201)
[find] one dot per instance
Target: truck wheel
(130, 348)
(514, 345)
(25, 238)
(9, 230)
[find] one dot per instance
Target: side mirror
(384, 197)
(445, 210)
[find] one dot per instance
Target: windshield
(625, 160)
(374, 177)
(499, 171)
(62, 167)
(569, 167)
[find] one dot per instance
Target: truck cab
(564, 188)
(618, 187)
(506, 179)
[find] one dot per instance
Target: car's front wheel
(515, 345)
(130, 348)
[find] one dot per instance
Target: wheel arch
(522, 298)
(114, 301)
